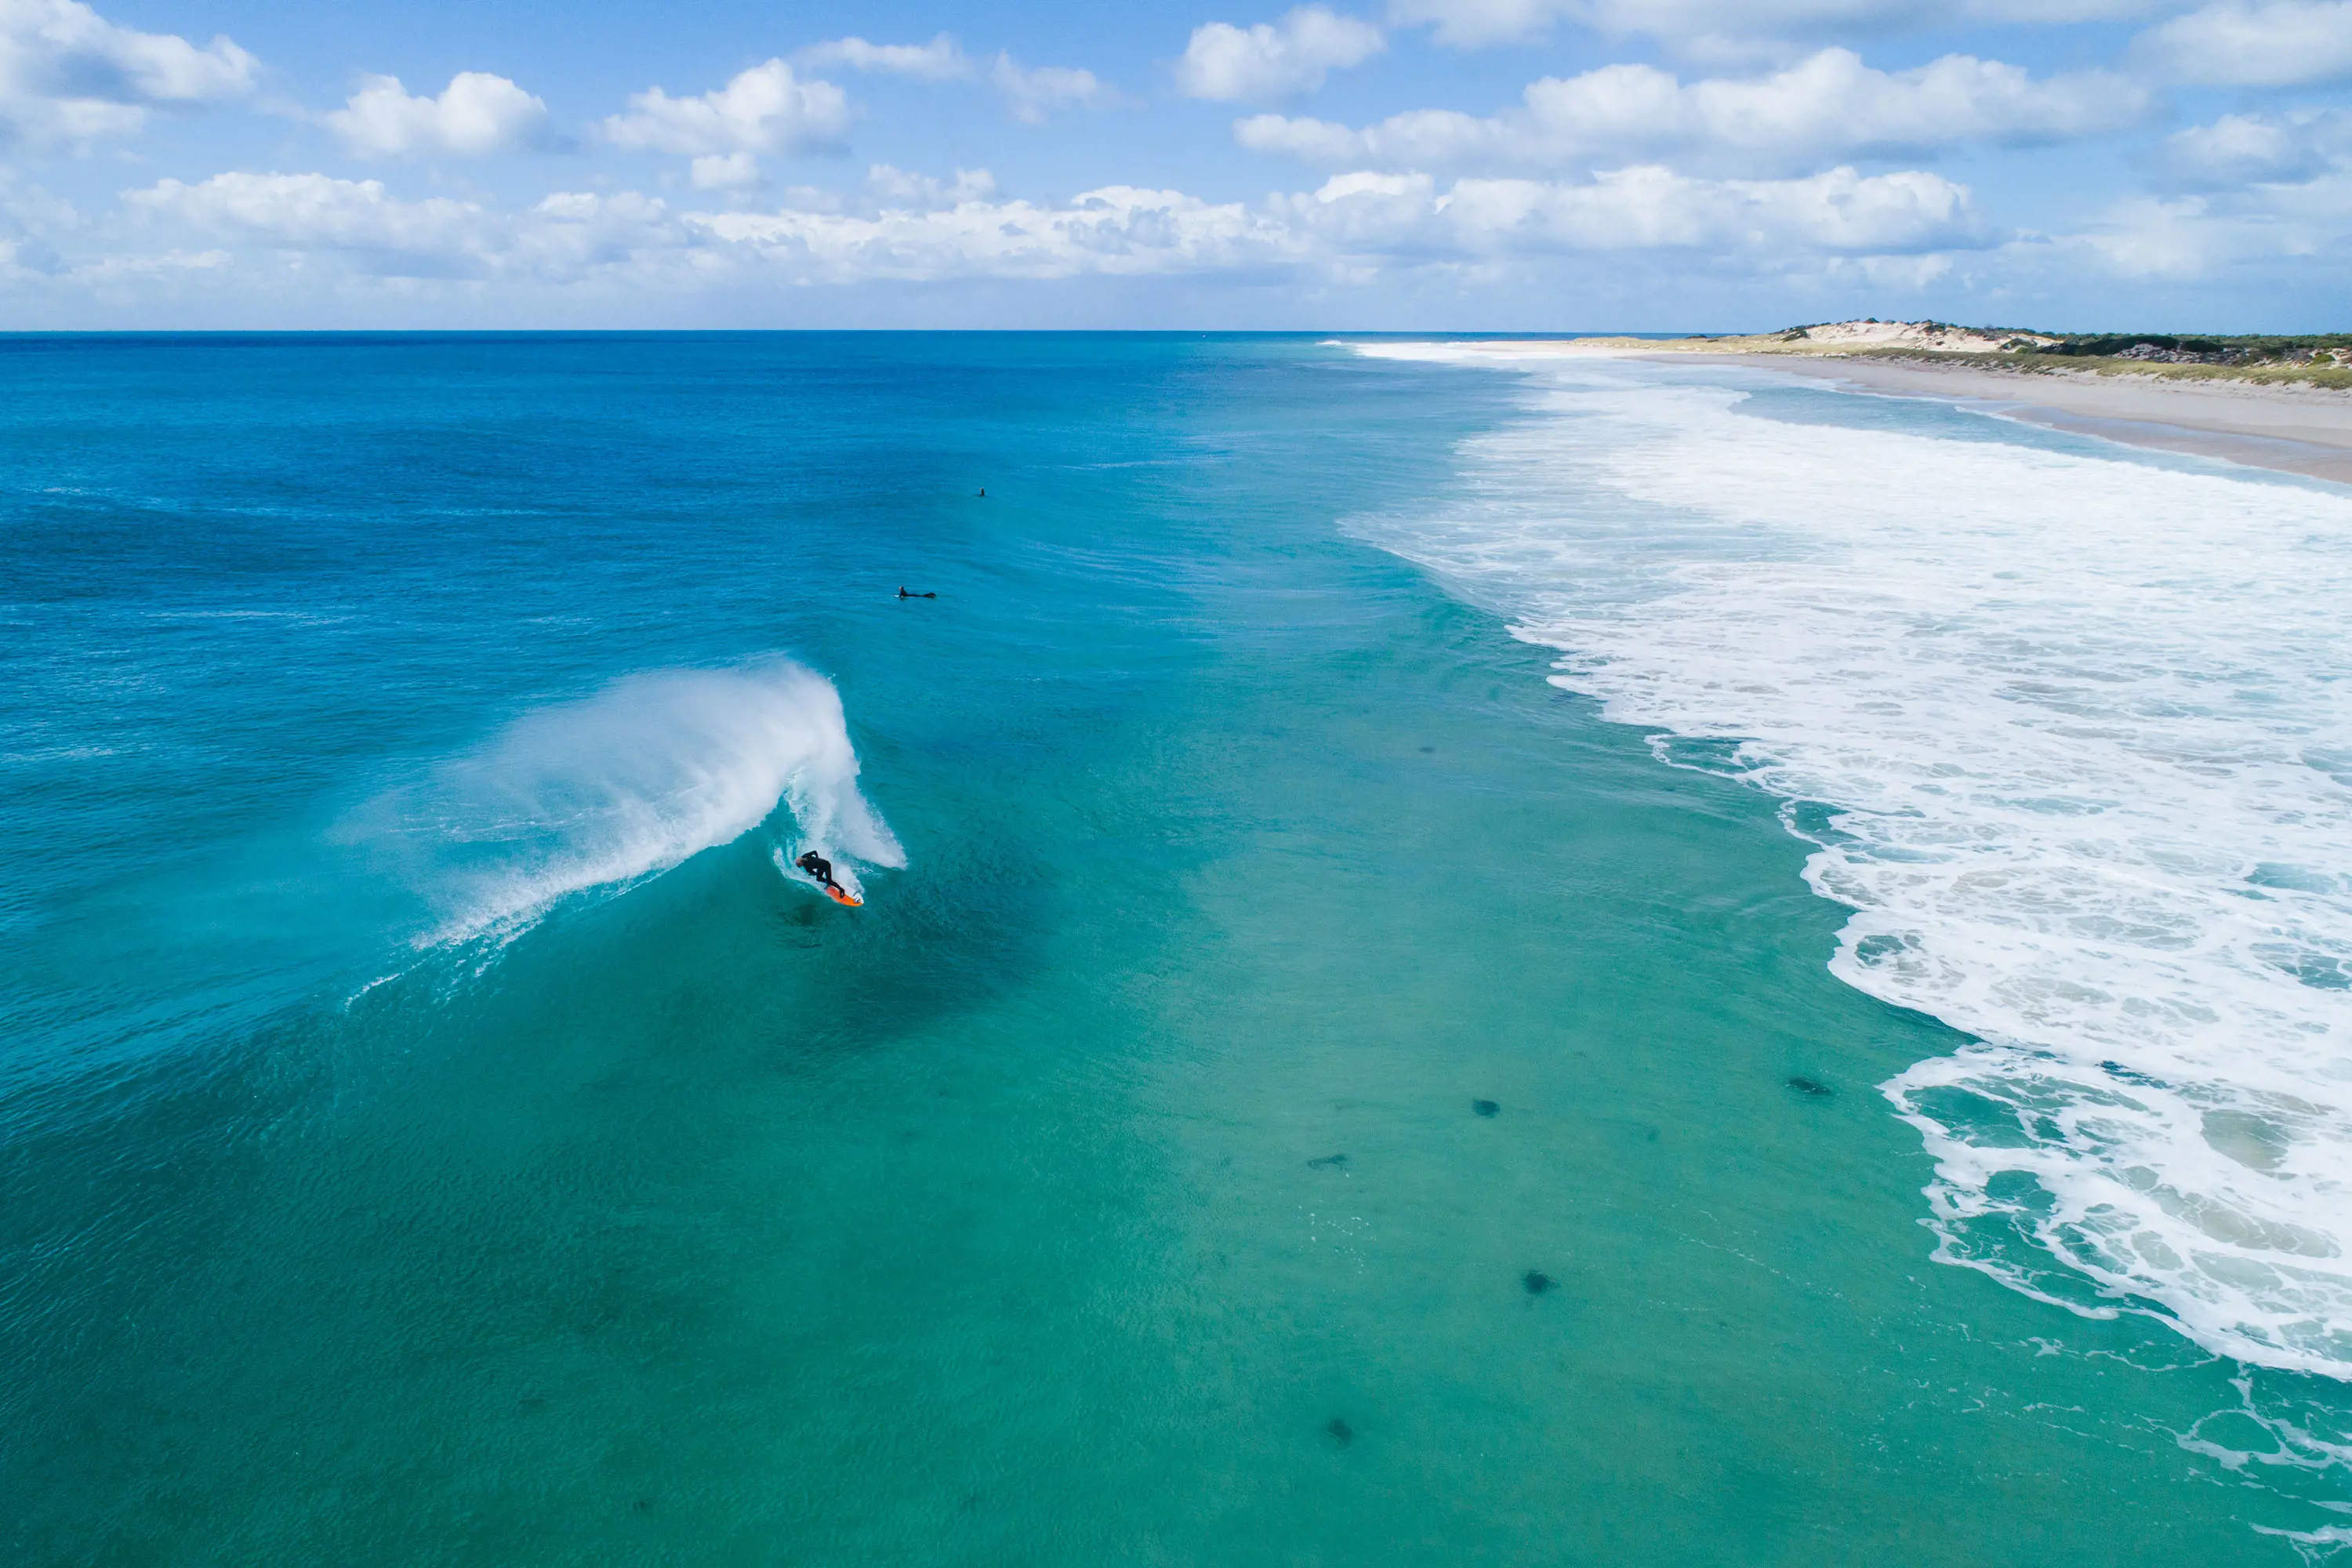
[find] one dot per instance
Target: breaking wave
(604, 792)
(2083, 728)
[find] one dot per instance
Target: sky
(1501, 166)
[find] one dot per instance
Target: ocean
(1464, 959)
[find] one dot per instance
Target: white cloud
(1830, 105)
(2148, 238)
(315, 210)
(1476, 23)
(1125, 230)
(118, 269)
(1118, 231)
(1033, 93)
(1322, 141)
(2266, 189)
(1881, 274)
(1708, 25)
(723, 171)
(1269, 61)
(895, 186)
(921, 230)
(941, 59)
(1649, 209)
(766, 109)
(67, 75)
(311, 220)
(2240, 150)
(477, 114)
(575, 237)
(1733, 29)
(912, 228)
(2270, 42)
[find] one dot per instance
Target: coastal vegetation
(2320, 359)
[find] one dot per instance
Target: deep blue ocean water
(1303, 1086)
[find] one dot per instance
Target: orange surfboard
(844, 896)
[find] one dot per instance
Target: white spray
(2087, 727)
(605, 792)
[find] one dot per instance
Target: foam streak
(2086, 728)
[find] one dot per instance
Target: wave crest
(605, 792)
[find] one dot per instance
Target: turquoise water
(434, 1130)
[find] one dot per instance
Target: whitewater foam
(2084, 734)
(604, 792)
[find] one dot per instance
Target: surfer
(820, 870)
(904, 595)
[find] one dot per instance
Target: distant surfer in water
(818, 866)
(904, 595)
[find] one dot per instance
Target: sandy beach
(2292, 429)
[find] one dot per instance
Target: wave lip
(605, 792)
(2082, 728)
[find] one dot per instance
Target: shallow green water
(1112, 1187)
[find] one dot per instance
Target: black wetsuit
(818, 866)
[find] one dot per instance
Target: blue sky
(1403, 164)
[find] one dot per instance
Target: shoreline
(2296, 430)
(2301, 430)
